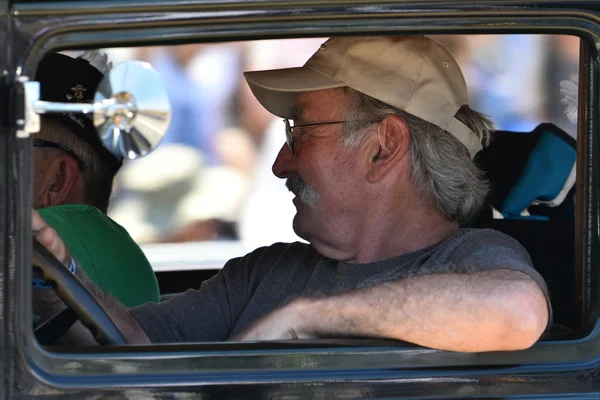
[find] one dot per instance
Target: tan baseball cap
(412, 73)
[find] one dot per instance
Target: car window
(207, 193)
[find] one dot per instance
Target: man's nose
(284, 163)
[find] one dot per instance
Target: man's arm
(46, 304)
(126, 323)
(491, 310)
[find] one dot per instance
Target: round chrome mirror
(135, 112)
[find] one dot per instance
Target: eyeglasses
(289, 130)
(53, 145)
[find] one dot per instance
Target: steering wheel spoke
(76, 296)
(51, 330)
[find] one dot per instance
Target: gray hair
(442, 169)
(98, 177)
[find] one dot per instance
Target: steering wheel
(80, 302)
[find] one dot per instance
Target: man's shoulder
(285, 250)
(72, 219)
(68, 210)
(79, 217)
(479, 237)
(277, 254)
(486, 247)
(277, 259)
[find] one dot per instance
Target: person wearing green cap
(73, 179)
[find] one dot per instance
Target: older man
(73, 179)
(71, 164)
(379, 156)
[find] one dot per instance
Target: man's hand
(50, 239)
(286, 323)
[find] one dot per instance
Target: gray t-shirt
(251, 286)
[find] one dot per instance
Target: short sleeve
(488, 249)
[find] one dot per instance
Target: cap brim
(277, 89)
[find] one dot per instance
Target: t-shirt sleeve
(204, 314)
(488, 249)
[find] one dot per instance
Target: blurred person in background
(193, 121)
(151, 201)
(562, 61)
(510, 91)
(171, 195)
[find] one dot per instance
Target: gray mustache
(307, 194)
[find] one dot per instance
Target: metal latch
(33, 107)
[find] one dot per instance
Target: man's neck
(408, 228)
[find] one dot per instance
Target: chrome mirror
(131, 109)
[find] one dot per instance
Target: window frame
(90, 26)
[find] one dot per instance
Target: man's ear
(390, 147)
(60, 180)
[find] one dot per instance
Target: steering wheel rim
(76, 296)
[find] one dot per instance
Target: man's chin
(300, 229)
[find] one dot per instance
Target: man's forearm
(486, 311)
(126, 323)
(47, 304)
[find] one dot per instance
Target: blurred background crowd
(210, 179)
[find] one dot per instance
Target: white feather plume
(97, 59)
(569, 89)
